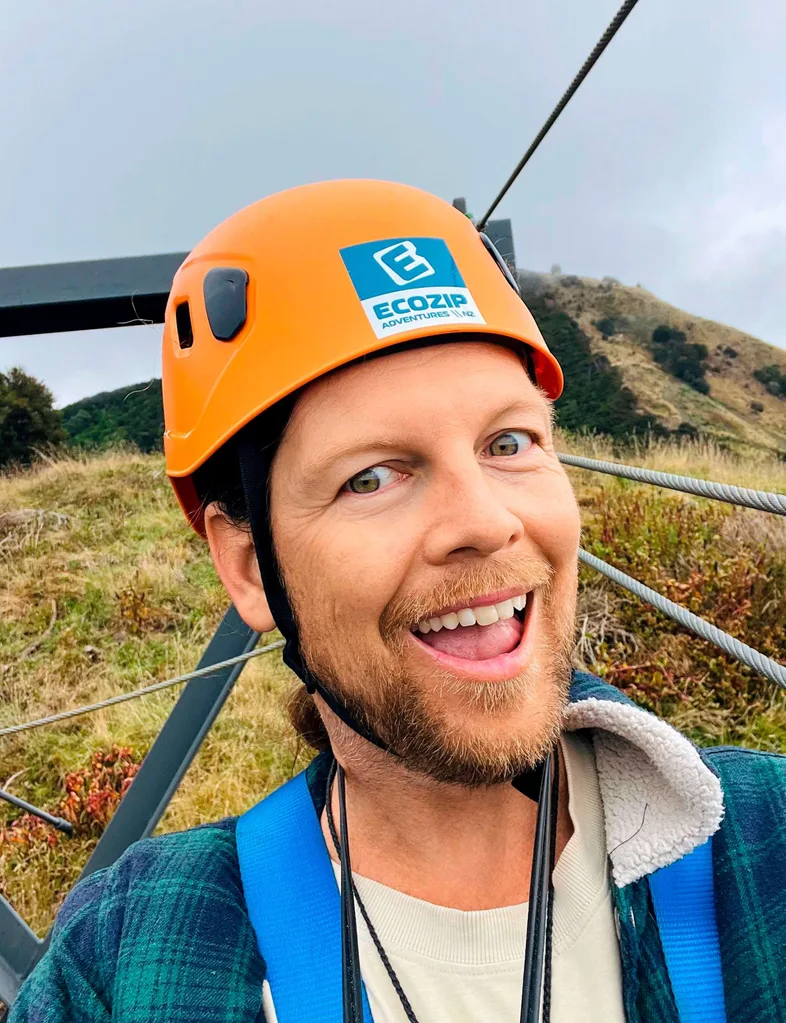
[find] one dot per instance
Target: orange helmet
(307, 280)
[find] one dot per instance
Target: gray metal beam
(176, 744)
(20, 950)
(86, 295)
(148, 797)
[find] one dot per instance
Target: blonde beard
(410, 713)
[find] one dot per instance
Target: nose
(471, 517)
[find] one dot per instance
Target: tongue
(476, 642)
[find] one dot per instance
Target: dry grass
(726, 412)
(136, 600)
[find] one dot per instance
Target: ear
(235, 560)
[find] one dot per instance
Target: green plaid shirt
(163, 935)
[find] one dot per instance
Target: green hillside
(688, 375)
(633, 366)
(132, 415)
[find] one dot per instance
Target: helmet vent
(185, 333)
(225, 301)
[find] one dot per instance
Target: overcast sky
(131, 128)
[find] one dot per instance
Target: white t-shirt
(457, 966)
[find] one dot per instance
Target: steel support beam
(176, 744)
(144, 804)
(85, 296)
(20, 950)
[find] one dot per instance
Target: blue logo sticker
(403, 282)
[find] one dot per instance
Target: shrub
(28, 419)
(773, 378)
(683, 359)
(91, 797)
(606, 326)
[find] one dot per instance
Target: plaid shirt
(163, 935)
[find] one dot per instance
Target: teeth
(474, 615)
(486, 615)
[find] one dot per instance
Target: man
(359, 421)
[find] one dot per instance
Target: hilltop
(602, 332)
(618, 322)
(104, 589)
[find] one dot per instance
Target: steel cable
(589, 63)
(156, 687)
(761, 500)
(766, 666)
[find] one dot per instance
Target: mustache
(463, 584)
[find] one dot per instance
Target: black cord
(350, 955)
(589, 63)
(537, 947)
(405, 1004)
(537, 956)
(550, 909)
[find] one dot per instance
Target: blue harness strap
(683, 895)
(294, 905)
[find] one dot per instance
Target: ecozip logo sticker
(427, 284)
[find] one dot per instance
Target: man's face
(412, 496)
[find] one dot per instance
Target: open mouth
(489, 629)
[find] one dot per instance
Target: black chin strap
(255, 455)
(542, 785)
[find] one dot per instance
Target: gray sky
(132, 128)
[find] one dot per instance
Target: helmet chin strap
(256, 454)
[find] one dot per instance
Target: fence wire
(761, 664)
(761, 500)
(156, 687)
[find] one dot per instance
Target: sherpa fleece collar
(660, 799)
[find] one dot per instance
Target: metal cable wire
(198, 673)
(761, 500)
(765, 666)
(589, 63)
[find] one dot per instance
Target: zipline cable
(761, 500)
(156, 687)
(589, 63)
(766, 666)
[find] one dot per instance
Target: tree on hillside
(773, 378)
(688, 362)
(132, 414)
(28, 419)
(595, 397)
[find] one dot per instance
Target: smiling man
(359, 421)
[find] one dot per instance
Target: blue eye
(371, 480)
(514, 442)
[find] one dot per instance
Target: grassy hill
(103, 590)
(133, 414)
(602, 333)
(739, 411)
